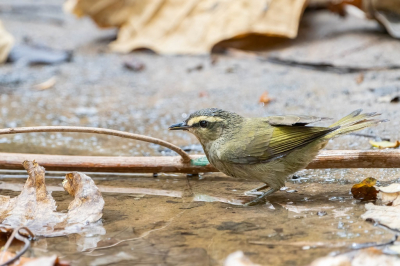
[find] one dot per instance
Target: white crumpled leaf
(6, 43)
(387, 215)
(390, 194)
(35, 208)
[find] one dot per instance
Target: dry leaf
(42, 261)
(35, 207)
(189, 26)
(6, 43)
(385, 144)
(264, 98)
(48, 84)
(365, 190)
(387, 12)
(360, 78)
(387, 215)
(390, 194)
(88, 203)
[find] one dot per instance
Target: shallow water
(292, 229)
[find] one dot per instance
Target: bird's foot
(260, 198)
(256, 191)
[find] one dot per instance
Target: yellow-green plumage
(266, 149)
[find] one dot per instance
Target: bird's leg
(260, 198)
(256, 190)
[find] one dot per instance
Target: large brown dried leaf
(35, 208)
(189, 26)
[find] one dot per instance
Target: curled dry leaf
(365, 190)
(187, 26)
(385, 144)
(360, 78)
(87, 201)
(390, 195)
(389, 212)
(35, 208)
(48, 84)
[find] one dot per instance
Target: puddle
(181, 227)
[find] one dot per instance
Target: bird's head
(208, 124)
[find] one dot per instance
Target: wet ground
(96, 90)
(293, 229)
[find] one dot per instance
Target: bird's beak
(179, 126)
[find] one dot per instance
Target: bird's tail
(353, 122)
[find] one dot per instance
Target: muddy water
(292, 229)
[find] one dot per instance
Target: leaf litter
(384, 144)
(35, 208)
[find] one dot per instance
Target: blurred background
(140, 66)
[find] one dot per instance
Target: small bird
(267, 149)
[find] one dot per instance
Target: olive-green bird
(267, 149)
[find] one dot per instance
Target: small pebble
(322, 213)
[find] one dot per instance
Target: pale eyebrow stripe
(197, 119)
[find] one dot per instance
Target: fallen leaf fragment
(6, 43)
(360, 78)
(365, 190)
(48, 84)
(390, 194)
(41, 261)
(88, 203)
(35, 208)
(264, 98)
(365, 257)
(386, 215)
(385, 144)
(238, 259)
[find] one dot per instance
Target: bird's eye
(203, 123)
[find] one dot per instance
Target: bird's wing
(293, 120)
(269, 143)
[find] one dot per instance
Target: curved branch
(95, 130)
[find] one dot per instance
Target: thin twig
(94, 130)
(389, 158)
